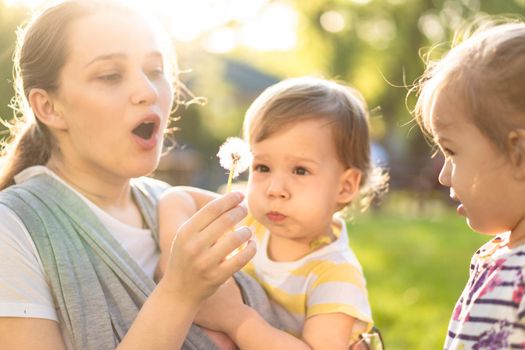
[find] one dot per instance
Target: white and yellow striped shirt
(328, 280)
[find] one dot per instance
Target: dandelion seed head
(234, 155)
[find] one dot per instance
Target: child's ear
(516, 146)
(349, 188)
(44, 109)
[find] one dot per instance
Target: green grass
(416, 266)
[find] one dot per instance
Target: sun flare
(220, 25)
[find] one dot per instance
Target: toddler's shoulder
(175, 197)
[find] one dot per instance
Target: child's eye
(300, 171)
(261, 168)
(447, 152)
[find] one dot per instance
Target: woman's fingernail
(244, 233)
(243, 205)
(239, 194)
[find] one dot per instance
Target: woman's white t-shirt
(24, 288)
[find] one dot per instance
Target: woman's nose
(144, 91)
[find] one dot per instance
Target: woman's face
(114, 95)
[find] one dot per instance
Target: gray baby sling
(97, 287)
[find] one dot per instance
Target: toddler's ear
(349, 185)
(45, 110)
(516, 146)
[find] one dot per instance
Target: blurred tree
(375, 46)
(372, 44)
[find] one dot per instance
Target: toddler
(311, 158)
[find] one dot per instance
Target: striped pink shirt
(490, 312)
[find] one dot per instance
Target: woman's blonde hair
(298, 99)
(486, 70)
(40, 55)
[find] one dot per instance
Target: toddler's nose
(277, 189)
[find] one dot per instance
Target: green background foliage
(415, 253)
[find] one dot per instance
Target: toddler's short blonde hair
(343, 107)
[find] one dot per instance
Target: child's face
(480, 176)
(297, 181)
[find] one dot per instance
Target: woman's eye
(156, 73)
(261, 168)
(300, 171)
(113, 77)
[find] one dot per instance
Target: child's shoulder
(176, 197)
(175, 194)
(497, 246)
(497, 250)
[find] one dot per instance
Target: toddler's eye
(300, 171)
(261, 168)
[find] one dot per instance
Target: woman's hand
(197, 264)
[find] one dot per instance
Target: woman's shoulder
(28, 294)
(150, 183)
(150, 186)
(9, 221)
(14, 235)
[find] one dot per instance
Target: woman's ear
(349, 188)
(45, 110)
(516, 147)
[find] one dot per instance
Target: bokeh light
(220, 25)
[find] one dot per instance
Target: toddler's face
(297, 181)
(479, 175)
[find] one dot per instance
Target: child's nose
(277, 189)
(444, 174)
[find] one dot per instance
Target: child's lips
(461, 210)
(275, 216)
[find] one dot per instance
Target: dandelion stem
(230, 176)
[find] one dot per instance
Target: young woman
(77, 217)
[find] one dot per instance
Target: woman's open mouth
(146, 133)
(145, 130)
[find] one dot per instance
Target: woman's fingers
(237, 261)
(229, 242)
(215, 210)
(223, 225)
(218, 263)
(198, 259)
